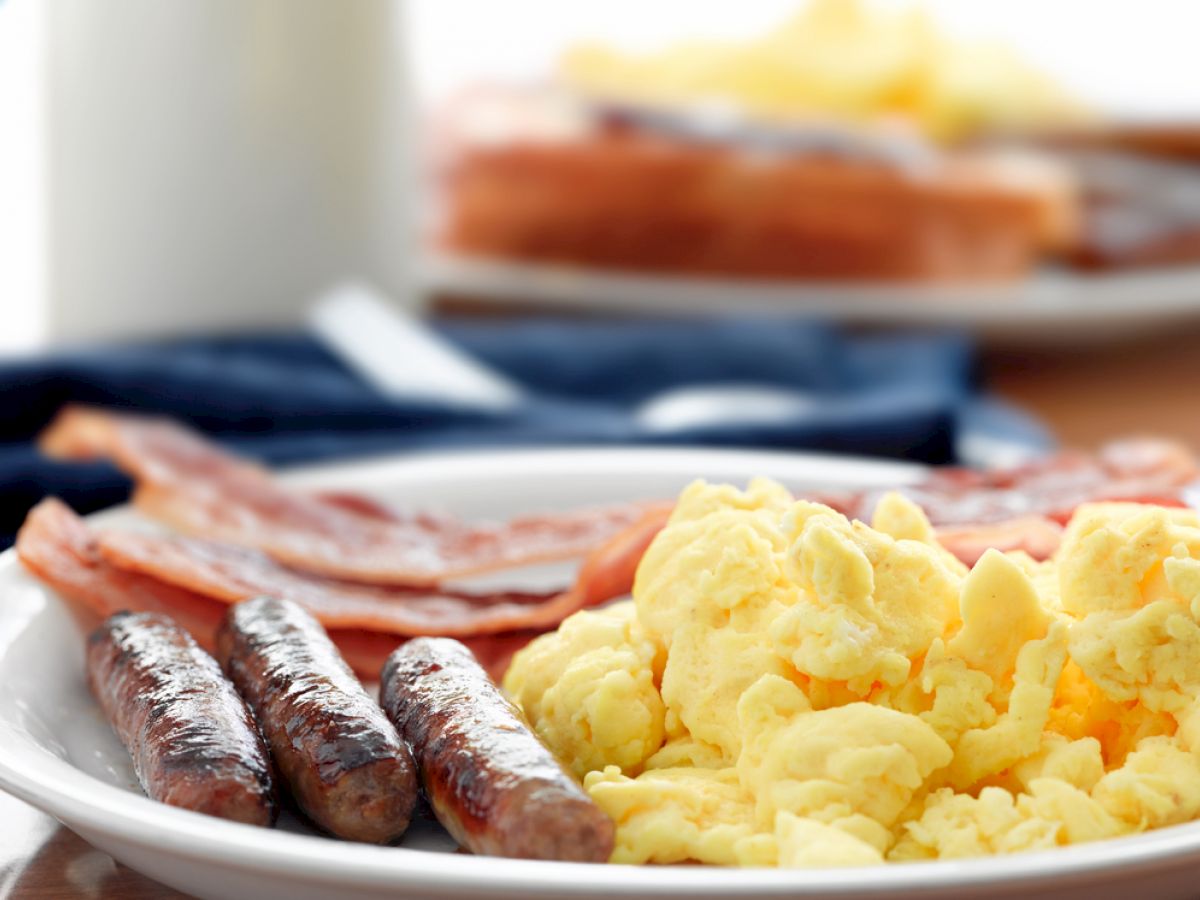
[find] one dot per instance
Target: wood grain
(42, 860)
(1093, 394)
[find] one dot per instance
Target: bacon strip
(187, 482)
(197, 488)
(366, 651)
(228, 573)
(57, 546)
(1026, 507)
(1036, 535)
(609, 570)
(1136, 470)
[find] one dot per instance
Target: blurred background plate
(1049, 307)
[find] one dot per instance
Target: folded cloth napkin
(284, 399)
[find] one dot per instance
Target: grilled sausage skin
(193, 742)
(490, 781)
(347, 768)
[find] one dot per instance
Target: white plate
(58, 753)
(1051, 306)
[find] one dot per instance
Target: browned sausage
(343, 760)
(490, 781)
(193, 741)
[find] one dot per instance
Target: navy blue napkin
(284, 399)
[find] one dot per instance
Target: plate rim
(1048, 296)
(87, 802)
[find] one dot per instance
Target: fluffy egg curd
(844, 60)
(791, 688)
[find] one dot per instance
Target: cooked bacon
(59, 548)
(187, 482)
(192, 485)
(1036, 535)
(609, 570)
(1025, 507)
(1139, 470)
(228, 573)
(366, 651)
(370, 508)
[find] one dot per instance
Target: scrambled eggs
(791, 688)
(839, 58)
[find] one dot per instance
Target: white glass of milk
(213, 166)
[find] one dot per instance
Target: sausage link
(193, 741)
(343, 760)
(490, 781)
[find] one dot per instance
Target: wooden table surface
(1086, 396)
(1091, 394)
(41, 859)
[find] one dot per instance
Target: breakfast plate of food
(592, 672)
(853, 162)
